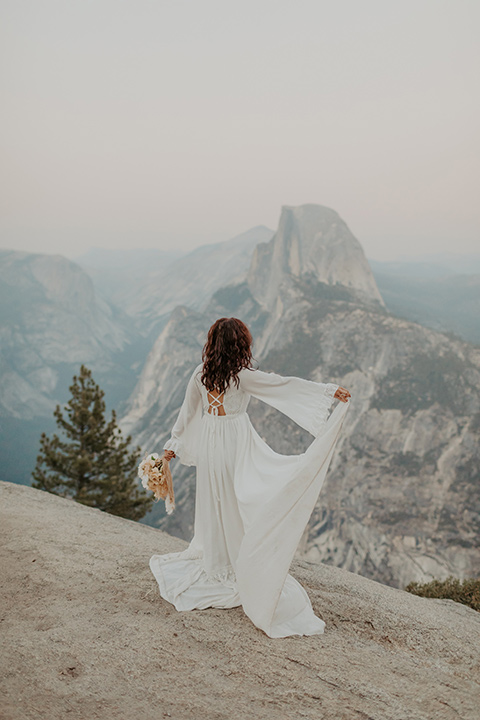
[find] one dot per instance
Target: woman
(252, 504)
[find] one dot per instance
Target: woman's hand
(342, 394)
(168, 454)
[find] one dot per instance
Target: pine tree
(93, 465)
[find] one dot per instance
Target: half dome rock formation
(86, 635)
(311, 240)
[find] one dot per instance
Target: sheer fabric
(252, 504)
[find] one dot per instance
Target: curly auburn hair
(226, 352)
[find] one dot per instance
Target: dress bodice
(305, 402)
(233, 401)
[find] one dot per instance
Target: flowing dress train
(252, 504)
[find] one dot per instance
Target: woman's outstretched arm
(304, 401)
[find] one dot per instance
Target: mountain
(432, 296)
(119, 274)
(409, 269)
(83, 621)
(56, 314)
(52, 321)
(191, 279)
(452, 263)
(401, 501)
(51, 317)
(402, 497)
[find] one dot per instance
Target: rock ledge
(86, 635)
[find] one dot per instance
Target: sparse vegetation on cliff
(466, 592)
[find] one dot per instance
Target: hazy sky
(141, 123)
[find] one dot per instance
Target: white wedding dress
(252, 504)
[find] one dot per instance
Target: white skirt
(251, 508)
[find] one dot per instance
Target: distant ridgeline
(443, 296)
(401, 501)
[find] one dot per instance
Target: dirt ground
(85, 634)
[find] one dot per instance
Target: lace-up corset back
(230, 402)
(215, 402)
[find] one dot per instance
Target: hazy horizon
(171, 126)
(428, 258)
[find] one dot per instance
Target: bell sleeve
(185, 434)
(305, 402)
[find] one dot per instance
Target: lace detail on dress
(331, 389)
(323, 408)
(227, 575)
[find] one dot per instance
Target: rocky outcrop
(401, 501)
(86, 635)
